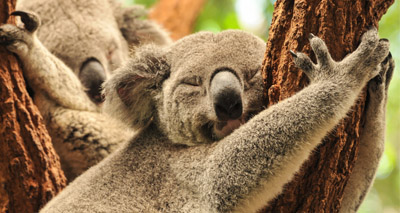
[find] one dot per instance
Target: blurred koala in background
(68, 49)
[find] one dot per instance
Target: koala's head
(198, 90)
(85, 35)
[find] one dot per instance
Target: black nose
(226, 96)
(228, 107)
(92, 75)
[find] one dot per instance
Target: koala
(92, 37)
(205, 143)
(66, 55)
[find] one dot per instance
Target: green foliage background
(384, 197)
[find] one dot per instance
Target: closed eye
(253, 81)
(192, 81)
(252, 73)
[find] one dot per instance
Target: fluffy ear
(137, 30)
(130, 92)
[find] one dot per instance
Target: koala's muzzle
(92, 76)
(226, 95)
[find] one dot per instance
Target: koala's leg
(45, 73)
(249, 167)
(371, 141)
(139, 31)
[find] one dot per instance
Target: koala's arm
(371, 141)
(249, 167)
(135, 29)
(45, 73)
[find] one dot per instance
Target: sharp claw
(311, 36)
(293, 54)
(372, 27)
(30, 21)
(384, 39)
(18, 13)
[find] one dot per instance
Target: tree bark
(30, 172)
(177, 16)
(319, 185)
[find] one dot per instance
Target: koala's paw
(16, 39)
(371, 52)
(356, 69)
(378, 86)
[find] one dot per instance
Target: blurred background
(255, 15)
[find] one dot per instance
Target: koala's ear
(137, 29)
(130, 92)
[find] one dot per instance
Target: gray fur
(174, 164)
(65, 60)
(80, 29)
(371, 141)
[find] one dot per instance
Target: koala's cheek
(183, 117)
(253, 99)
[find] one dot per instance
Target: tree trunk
(177, 16)
(30, 172)
(319, 185)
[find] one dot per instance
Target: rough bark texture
(319, 186)
(30, 172)
(177, 16)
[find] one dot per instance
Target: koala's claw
(371, 27)
(384, 39)
(293, 54)
(30, 20)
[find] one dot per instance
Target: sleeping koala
(66, 56)
(92, 37)
(200, 147)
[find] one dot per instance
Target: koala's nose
(226, 94)
(92, 75)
